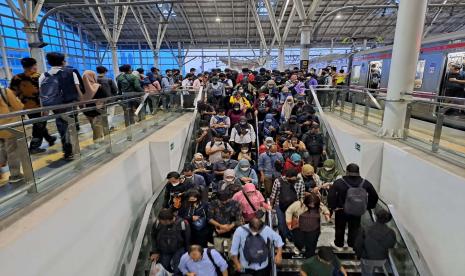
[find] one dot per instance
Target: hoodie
(247, 173)
(270, 121)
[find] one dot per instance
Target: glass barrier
(434, 125)
(71, 138)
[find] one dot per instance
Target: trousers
(341, 221)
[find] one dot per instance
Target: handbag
(258, 213)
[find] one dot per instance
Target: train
(436, 55)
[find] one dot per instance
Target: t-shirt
(314, 266)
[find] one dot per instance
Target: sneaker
(16, 178)
(69, 157)
(37, 150)
(51, 141)
(337, 248)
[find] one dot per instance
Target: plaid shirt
(299, 188)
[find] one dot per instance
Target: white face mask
(198, 162)
(189, 177)
(175, 184)
(218, 143)
(245, 169)
(328, 169)
(244, 151)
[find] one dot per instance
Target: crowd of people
(259, 149)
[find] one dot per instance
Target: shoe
(69, 157)
(36, 150)
(337, 248)
(16, 178)
(51, 141)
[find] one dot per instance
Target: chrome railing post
(438, 131)
(343, 101)
(354, 105)
(22, 149)
(106, 128)
(366, 112)
(72, 131)
(408, 116)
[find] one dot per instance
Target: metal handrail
(328, 127)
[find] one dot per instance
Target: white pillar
(229, 53)
(305, 35)
(114, 59)
(365, 43)
(156, 54)
(32, 37)
(281, 58)
(407, 42)
(180, 56)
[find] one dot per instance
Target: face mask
(204, 128)
(244, 169)
(292, 121)
(189, 177)
(225, 159)
(244, 151)
(229, 180)
(243, 123)
(175, 184)
(236, 108)
(292, 181)
(262, 99)
(269, 120)
(198, 162)
(328, 169)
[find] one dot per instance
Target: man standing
(26, 87)
(349, 198)
(168, 89)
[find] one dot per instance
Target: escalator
(135, 260)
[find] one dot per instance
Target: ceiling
(211, 23)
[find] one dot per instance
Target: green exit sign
(357, 146)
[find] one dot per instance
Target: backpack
(219, 120)
(218, 91)
(309, 221)
(217, 267)
(287, 195)
(356, 200)
(255, 248)
(51, 91)
(170, 239)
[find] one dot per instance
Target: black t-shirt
(452, 85)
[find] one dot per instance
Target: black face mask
(292, 121)
(292, 181)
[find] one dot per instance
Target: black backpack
(255, 248)
(287, 194)
(170, 238)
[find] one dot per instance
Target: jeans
(171, 261)
(62, 126)
(368, 266)
(341, 220)
(282, 226)
(39, 132)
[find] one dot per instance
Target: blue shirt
(266, 163)
(167, 84)
(203, 267)
(238, 243)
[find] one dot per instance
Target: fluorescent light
(338, 16)
(218, 19)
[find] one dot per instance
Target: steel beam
(272, 17)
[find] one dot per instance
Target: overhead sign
(304, 64)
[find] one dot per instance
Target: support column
(229, 53)
(179, 55)
(114, 59)
(281, 58)
(156, 55)
(33, 41)
(305, 35)
(407, 42)
(365, 43)
(6, 64)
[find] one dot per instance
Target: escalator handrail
(328, 128)
(131, 267)
(270, 224)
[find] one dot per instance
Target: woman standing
(195, 212)
(93, 91)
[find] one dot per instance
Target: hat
(269, 140)
(249, 187)
(229, 173)
(329, 163)
(295, 157)
(307, 169)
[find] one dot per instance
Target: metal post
(366, 112)
(156, 55)
(407, 42)
(179, 55)
(202, 66)
(114, 59)
(332, 46)
(6, 63)
(341, 109)
(438, 131)
(281, 58)
(229, 53)
(354, 105)
(140, 54)
(33, 38)
(365, 43)
(305, 34)
(408, 116)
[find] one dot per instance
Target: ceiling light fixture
(218, 19)
(338, 16)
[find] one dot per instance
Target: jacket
(374, 242)
(297, 208)
(132, 79)
(27, 88)
(12, 104)
(289, 165)
(338, 192)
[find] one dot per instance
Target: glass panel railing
(401, 259)
(434, 125)
(79, 137)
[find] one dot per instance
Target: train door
(452, 58)
(375, 71)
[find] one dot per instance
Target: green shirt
(314, 267)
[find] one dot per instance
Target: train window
(455, 58)
(375, 73)
(355, 79)
(420, 73)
